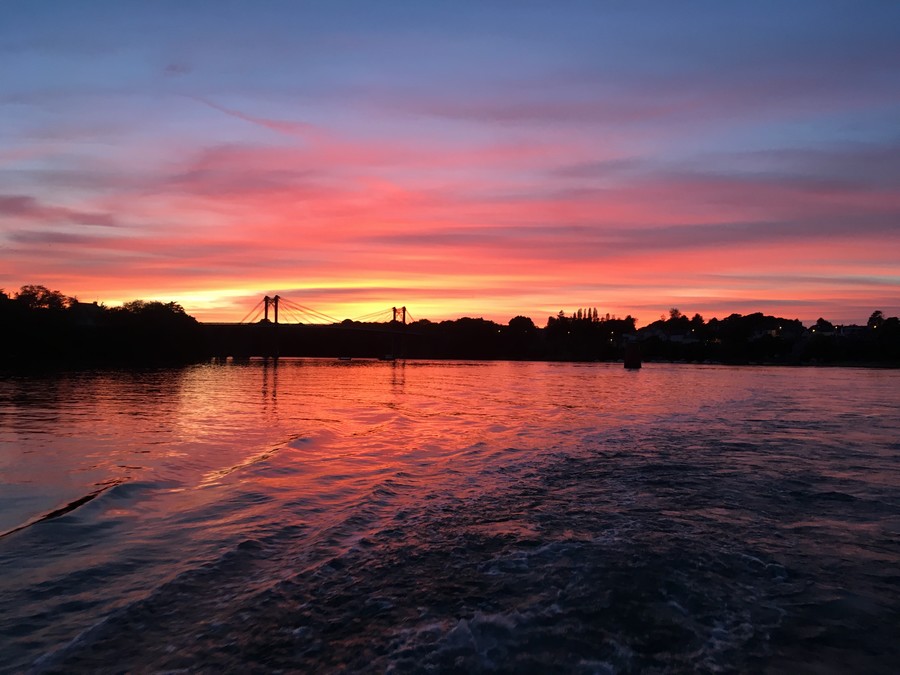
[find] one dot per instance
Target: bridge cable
(295, 312)
(312, 312)
(371, 316)
(255, 308)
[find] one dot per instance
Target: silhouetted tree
(823, 326)
(521, 325)
(41, 297)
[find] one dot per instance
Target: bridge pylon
(273, 302)
(402, 312)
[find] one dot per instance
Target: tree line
(45, 327)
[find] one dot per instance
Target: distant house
(85, 313)
(665, 333)
(852, 329)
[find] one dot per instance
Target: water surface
(481, 517)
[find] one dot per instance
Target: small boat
(632, 357)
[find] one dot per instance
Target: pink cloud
(486, 228)
(27, 208)
(292, 128)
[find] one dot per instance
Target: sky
(486, 159)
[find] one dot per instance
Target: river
(364, 516)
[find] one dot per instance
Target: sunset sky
(460, 158)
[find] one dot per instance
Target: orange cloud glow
(513, 176)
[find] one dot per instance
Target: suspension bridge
(282, 308)
(278, 326)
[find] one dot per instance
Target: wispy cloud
(291, 128)
(28, 208)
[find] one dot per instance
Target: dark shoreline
(59, 368)
(42, 329)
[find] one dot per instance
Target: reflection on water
(333, 515)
